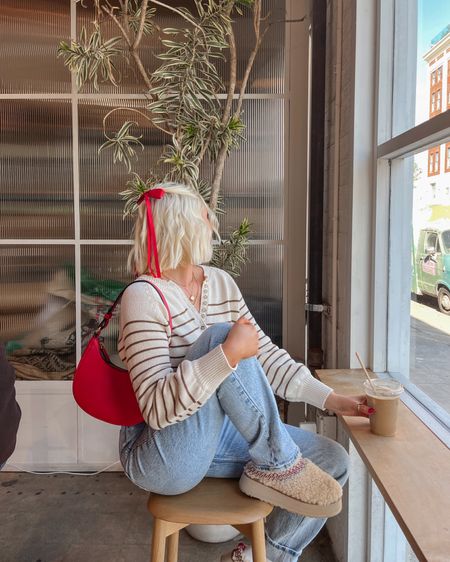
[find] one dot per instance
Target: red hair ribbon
(156, 193)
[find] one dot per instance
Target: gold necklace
(192, 298)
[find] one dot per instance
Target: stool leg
(258, 541)
(172, 547)
(159, 541)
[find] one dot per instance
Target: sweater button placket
(204, 299)
(204, 304)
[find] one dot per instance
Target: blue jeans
(239, 422)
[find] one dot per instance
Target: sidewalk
(430, 352)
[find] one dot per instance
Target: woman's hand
(348, 405)
(242, 341)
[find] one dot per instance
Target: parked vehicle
(432, 264)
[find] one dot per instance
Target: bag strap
(108, 315)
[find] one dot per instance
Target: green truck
(431, 264)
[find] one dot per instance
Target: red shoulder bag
(100, 388)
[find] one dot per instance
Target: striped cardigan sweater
(170, 388)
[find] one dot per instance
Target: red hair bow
(156, 193)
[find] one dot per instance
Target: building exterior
(432, 167)
(438, 59)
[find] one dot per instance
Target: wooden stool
(215, 501)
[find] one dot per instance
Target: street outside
(430, 350)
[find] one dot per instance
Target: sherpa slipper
(241, 553)
(301, 488)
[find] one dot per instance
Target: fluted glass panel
(36, 176)
(253, 179)
(268, 71)
(30, 32)
(103, 275)
(252, 184)
(101, 207)
(37, 310)
(261, 284)
(267, 75)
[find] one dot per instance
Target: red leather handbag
(100, 388)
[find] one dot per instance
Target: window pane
(422, 62)
(101, 181)
(30, 32)
(252, 183)
(103, 276)
(261, 284)
(430, 303)
(253, 178)
(36, 193)
(37, 310)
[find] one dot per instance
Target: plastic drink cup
(385, 400)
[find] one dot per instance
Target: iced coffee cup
(385, 400)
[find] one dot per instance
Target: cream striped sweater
(168, 388)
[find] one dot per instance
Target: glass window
(433, 161)
(37, 192)
(414, 210)
(427, 34)
(436, 163)
(446, 241)
(430, 242)
(38, 310)
(418, 291)
(430, 302)
(30, 31)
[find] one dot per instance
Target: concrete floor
(103, 518)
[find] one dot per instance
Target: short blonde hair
(182, 235)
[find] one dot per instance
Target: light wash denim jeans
(239, 422)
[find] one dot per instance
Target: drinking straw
(365, 371)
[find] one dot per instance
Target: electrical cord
(45, 473)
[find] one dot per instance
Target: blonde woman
(206, 388)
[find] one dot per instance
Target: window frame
(447, 155)
(373, 144)
(396, 140)
(434, 161)
(393, 208)
(436, 91)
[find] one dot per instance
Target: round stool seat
(214, 501)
